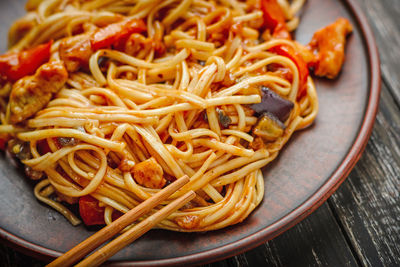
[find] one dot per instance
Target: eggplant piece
(274, 104)
(223, 119)
(67, 141)
(269, 127)
(20, 149)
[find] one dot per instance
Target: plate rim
(292, 218)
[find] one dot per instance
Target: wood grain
(363, 217)
(316, 241)
(367, 204)
(12, 258)
(384, 17)
(293, 190)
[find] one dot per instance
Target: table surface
(360, 224)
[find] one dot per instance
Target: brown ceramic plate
(310, 168)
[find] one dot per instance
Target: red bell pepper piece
(90, 211)
(274, 19)
(15, 65)
(43, 147)
(295, 56)
(3, 142)
(116, 32)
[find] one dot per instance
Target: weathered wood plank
(384, 17)
(11, 258)
(316, 241)
(367, 204)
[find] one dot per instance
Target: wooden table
(360, 223)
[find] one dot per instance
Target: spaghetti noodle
(135, 94)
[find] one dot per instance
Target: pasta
(123, 97)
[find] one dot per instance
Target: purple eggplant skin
(274, 104)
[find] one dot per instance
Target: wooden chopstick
(94, 241)
(104, 253)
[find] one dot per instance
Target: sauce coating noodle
(156, 90)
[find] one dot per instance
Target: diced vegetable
(115, 32)
(22, 150)
(269, 127)
(90, 211)
(43, 147)
(223, 119)
(274, 104)
(76, 51)
(3, 141)
(274, 19)
(67, 141)
(15, 65)
(295, 56)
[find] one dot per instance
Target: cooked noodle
(129, 106)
